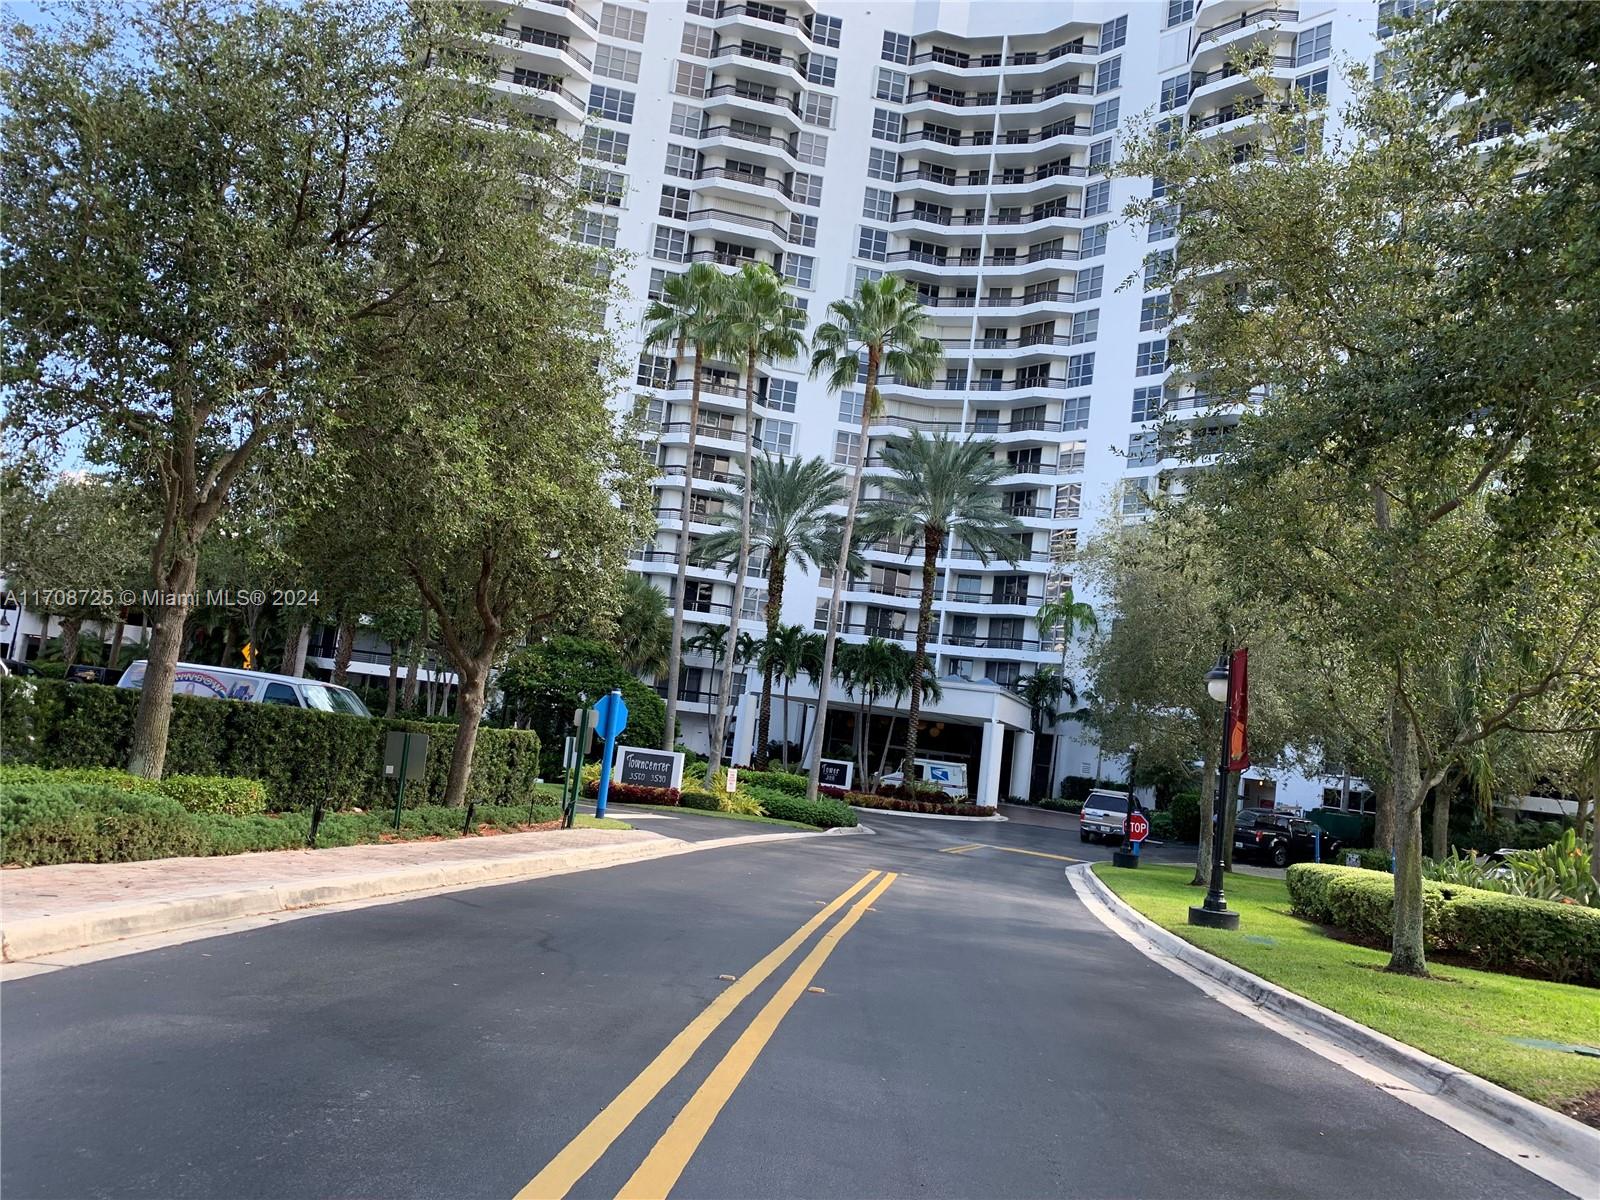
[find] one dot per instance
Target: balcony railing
(1227, 70)
(991, 179)
(737, 218)
(541, 83)
(550, 41)
(758, 55)
(1053, 297)
(1054, 212)
(733, 89)
(762, 13)
(1026, 58)
(989, 385)
(571, 7)
(748, 179)
(759, 139)
(1244, 19)
(1234, 112)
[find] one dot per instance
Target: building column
(988, 790)
(1021, 764)
(746, 717)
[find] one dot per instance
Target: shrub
(627, 793)
(1161, 825)
(821, 812)
(1185, 812)
(302, 756)
(787, 782)
(1058, 805)
(214, 794)
(702, 800)
(894, 804)
(1495, 931)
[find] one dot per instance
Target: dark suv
(1278, 838)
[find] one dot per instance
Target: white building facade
(961, 145)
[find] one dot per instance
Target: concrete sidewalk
(45, 910)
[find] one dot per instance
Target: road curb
(1557, 1136)
(40, 936)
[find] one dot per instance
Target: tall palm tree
(941, 487)
(792, 524)
(1066, 614)
(760, 320)
(685, 318)
(883, 328)
(644, 634)
(1043, 692)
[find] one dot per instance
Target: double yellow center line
(672, 1152)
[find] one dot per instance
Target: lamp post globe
(1217, 681)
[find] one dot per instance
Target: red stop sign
(1136, 827)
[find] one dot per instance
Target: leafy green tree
(685, 318)
(758, 321)
(204, 204)
(644, 632)
(884, 327)
(940, 489)
(792, 524)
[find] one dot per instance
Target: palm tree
(792, 524)
(644, 634)
(684, 318)
(875, 668)
(760, 320)
(1066, 614)
(711, 641)
(931, 690)
(788, 648)
(1043, 691)
(811, 646)
(882, 327)
(941, 487)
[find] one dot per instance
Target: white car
(253, 687)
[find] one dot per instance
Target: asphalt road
(977, 1034)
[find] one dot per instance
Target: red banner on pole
(1238, 710)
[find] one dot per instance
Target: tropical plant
(872, 669)
(1043, 691)
(940, 488)
(1066, 614)
(792, 524)
(758, 321)
(644, 633)
(1559, 871)
(882, 328)
(685, 319)
(931, 690)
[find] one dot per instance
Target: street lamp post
(1213, 913)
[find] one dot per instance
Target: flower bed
(894, 804)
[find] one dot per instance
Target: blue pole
(1316, 840)
(605, 775)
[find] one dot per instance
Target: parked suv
(1103, 814)
(1278, 838)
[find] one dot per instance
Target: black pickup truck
(1278, 838)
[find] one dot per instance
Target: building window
(1154, 312)
(882, 164)
(775, 437)
(797, 269)
(697, 40)
(846, 448)
(685, 121)
(1075, 413)
(811, 148)
(1314, 85)
(1100, 155)
(1072, 456)
(896, 48)
(1005, 674)
(675, 203)
(1147, 402)
(1069, 501)
(597, 229)
(1144, 448)
(1174, 92)
(866, 274)
(822, 69)
(806, 189)
(654, 371)
(657, 287)
(691, 79)
(1152, 357)
(624, 23)
(1158, 187)
(1389, 10)
(1135, 500)
(1108, 75)
(1097, 198)
(701, 8)
(1157, 266)
(888, 126)
(803, 229)
(603, 187)
(605, 145)
(670, 244)
(1179, 12)
(1313, 45)
(1105, 115)
(878, 205)
(616, 63)
(781, 394)
(816, 108)
(613, 104)
(1389, 69)
(1089, 284)
(1163, 224)
(825, 30)
(891, 86)
(1113, 34)
(682, 161)
(1094, 240)
(1080, 370)
(850, 407)
(872, 243)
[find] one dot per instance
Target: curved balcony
(1209, 85)
(728, 478)
(540, 92)
(772, 147)
(742, 184)
(968, 220)
(998, 303)
(742, 102)
(760, 62)
(1226, 31)
(738, 224)
(541, 48)
(569, 15)
(761, 20)
(983, 178)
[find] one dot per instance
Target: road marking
(659, 1172)
(583, 1151)
(962, 849)
(1010, 850)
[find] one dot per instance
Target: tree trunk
(291, 636)
(1407, 956)
(229, 637)
(1441, 822)
(786, 724)
(669, 734)
(775, 582)
(835, 615)
(119, 632)
(469, 703)
(343, 646)
(725, 685)
(148, 754)
(408, 694)
(930, 566)
(1208, 804)
(71, 627)
(888, 740)
(394, 680)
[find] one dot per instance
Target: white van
(948, 777)
(253, 687)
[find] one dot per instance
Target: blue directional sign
(613, 714)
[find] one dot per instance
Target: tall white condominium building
(965, 147)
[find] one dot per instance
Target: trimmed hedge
(1496, 931)
(892, 804)
(196, 793)
(300, 755)
(1066, 806)
(821, 812)
(787, 782)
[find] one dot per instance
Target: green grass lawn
(1463, 1016)
(581, 821)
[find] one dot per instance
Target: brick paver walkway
(75, 888)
